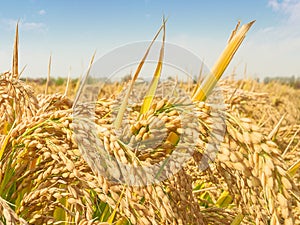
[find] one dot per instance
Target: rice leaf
(5, 141)
(82, 81)
(15, 66)
(153, 86)
(121, 111)
(290, 142)
(48, 75)
(68, 83)
(224, 200)
(233, 33)
(238, 219)
(293, 169)
(105, 213)
(60, 213)
(199, 79)
(218, 69)
(113, 214)
(272, 134)
(23, 69)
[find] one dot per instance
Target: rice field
(50, 175)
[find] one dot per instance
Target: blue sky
(71, 30)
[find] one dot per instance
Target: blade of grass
(245, 71)
(68, 83)
(60, 213)
(113, 214)
(272, 134)
(15, 66)
(293, 169)
(9, 172)
(153, 86)
(233, 33)
(119, 118)
(5, 141)
(105, 213)
(199, 79)
(78, 83)
(224, 200)
(238, 219)
(218, 69)
(122, 221)
(23, 69)
(48, 75)
(290, 142)
(83, 80)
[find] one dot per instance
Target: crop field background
(220, 146)
(47, 176)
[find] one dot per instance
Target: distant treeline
(291, 81)
(53, 81)
(57, 81)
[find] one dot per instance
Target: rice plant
(48, 177)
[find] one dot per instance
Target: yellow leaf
(15, 64)
(173, 138)
(153, 86)
(224, 200)
(121, 111)
(238, 219)
(293, 169)
(5, 141)
(218, 69)
(112, 216)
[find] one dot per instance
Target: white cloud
(275, 50)
(8, 23)
(295, 13)
(24, 25)
(291, 8)
(274, 4)
(288, 28)
(42, 12)
(268, 51)
(33, 26)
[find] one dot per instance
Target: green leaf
(224, 200)
(238, 219)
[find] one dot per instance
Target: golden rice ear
(15, 66)
(218, 69)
